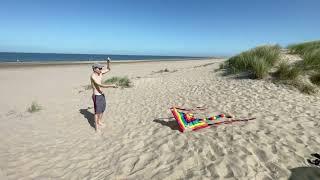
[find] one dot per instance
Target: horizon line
(103, 54)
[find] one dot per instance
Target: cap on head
(97, 65)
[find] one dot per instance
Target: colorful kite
(188, 121)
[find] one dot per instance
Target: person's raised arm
(107, 69)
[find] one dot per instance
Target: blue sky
(155, 27)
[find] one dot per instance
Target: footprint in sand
(277, 171)
(274, 149)
(213, 171)
(261, 155)
(245, 150)
(299, 141)
(217, 149)
(210, 156)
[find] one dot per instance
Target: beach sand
(141, 140)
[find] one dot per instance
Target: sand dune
(141, 140)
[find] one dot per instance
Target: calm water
(42, 57)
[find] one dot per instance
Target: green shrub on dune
(287, 72)
(222, 66)
(260, 61)
(35, 107)
(112, 80)
(260, 67)
(304, 48)
(303, 87)
(315, 79)
(119, 81)
(311, 60)
(87, 87)
(124, 82)
(271, 54)
(257, 61)
(310, 64)
(307, 89)
(309, 52)
(240, 63)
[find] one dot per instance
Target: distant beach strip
(53, 57)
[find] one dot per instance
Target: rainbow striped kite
(186, 120)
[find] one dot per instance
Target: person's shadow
(301, 173)
(171, 124)
(89, 116)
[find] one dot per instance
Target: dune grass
(309, 52)
(305, 88)
(222, 66)
(87, 87)
(257, 61)
(34, 107)
(311, 60)
(301, 86)
(260, 67)
(315, 79)
(310, 64)
(163, 70)
(123, 82)
(287, 72)
(271, 54)
(304, 48)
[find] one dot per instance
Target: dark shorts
(99, 102)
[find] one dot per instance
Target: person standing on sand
(98, 96)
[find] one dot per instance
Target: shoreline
(68, 63)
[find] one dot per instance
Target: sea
(46, 57)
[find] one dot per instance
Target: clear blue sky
(155, 27)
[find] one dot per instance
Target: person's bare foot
(101, 124)
(98, 131)
(97, 128)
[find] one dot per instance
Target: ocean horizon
(44, 57)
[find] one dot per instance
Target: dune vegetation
(265, 61)
(123, 82)
(257, 62)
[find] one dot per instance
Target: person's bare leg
(100, 120)
(96, 120)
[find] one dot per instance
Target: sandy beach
(141, 140)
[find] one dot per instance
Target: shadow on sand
(89, 116)
(171, 124)
(301, 173)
